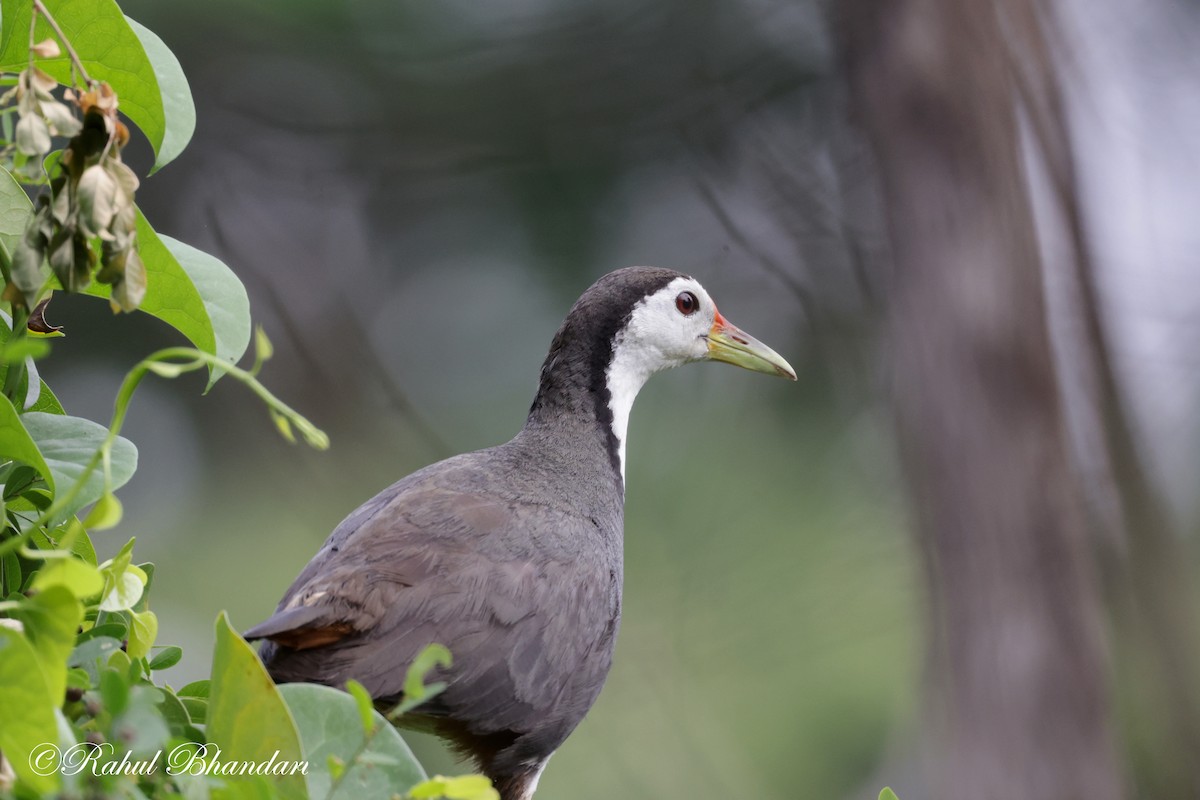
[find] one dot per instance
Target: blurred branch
(1018, 663)
(348, 319)
(1154, 584)
(39, 8)
(734, 232)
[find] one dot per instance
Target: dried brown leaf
(37, 319)
(47, 48)
(131, 289)
(62, 120)
(124, 176)
(97, 195)
(32, 135)
(41, 83)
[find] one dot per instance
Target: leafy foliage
(111, 50)
(354, 752)
(81, 710)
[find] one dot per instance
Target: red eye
(687, 303)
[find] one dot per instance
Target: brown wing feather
(530, 623)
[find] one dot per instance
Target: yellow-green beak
(729, 343)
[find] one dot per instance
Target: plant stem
(40, 8)
(191, 359)
(32, 32)
(12, 378)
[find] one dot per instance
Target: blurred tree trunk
(1018, 666)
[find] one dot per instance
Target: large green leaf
(51, 618)
(15, 210)
(186, 288)
(15, 442)
(68, 444)
(26, 709)
(192, 292)
(225, 300)
(247, 718)
(329, 725)
(111, 51)
(46, 401)
(34, 391)
(178, 107)
(81, 578)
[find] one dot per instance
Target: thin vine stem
(40, 8)
(12, 378)
(180, 360)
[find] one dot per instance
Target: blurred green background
(414, 194)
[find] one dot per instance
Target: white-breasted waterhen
(511, 556)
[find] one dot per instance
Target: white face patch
(658, 336)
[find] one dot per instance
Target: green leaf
(77, 541)
(15, 211)
(124, 584)
(201, 688)
(173, 711)
(26, 709)
(330, 724)
(80, 577)
(263, 349)
(283, 425)
(38, 396)
(78, 678)
(142, 633)
(433, 655)
(117, 628)
(887, 794)
(147, 569)
(166, 658)
(196, 707)
(165, 369)
(114, 689)
(366, 708)
(68, 444)
(462, 787)
(247, 717)
(109, 49)
(121, 592)
(25, 347)
(17, 444)
(225, 301)
(121, 661)
(178, 107)
(192, 292)
(11, 574)
(105, 514)
(46, 402)
(141, 727)
(51, 619)
(92, 654)
(30, 386)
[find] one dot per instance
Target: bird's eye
(687, 303)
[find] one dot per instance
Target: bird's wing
(526, 607)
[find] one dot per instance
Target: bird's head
(627, 326)
(678, 323)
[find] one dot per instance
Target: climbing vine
(83, 711)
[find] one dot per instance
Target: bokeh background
(414, 194)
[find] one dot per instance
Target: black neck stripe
(574, 379)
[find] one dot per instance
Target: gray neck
(573, 406)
